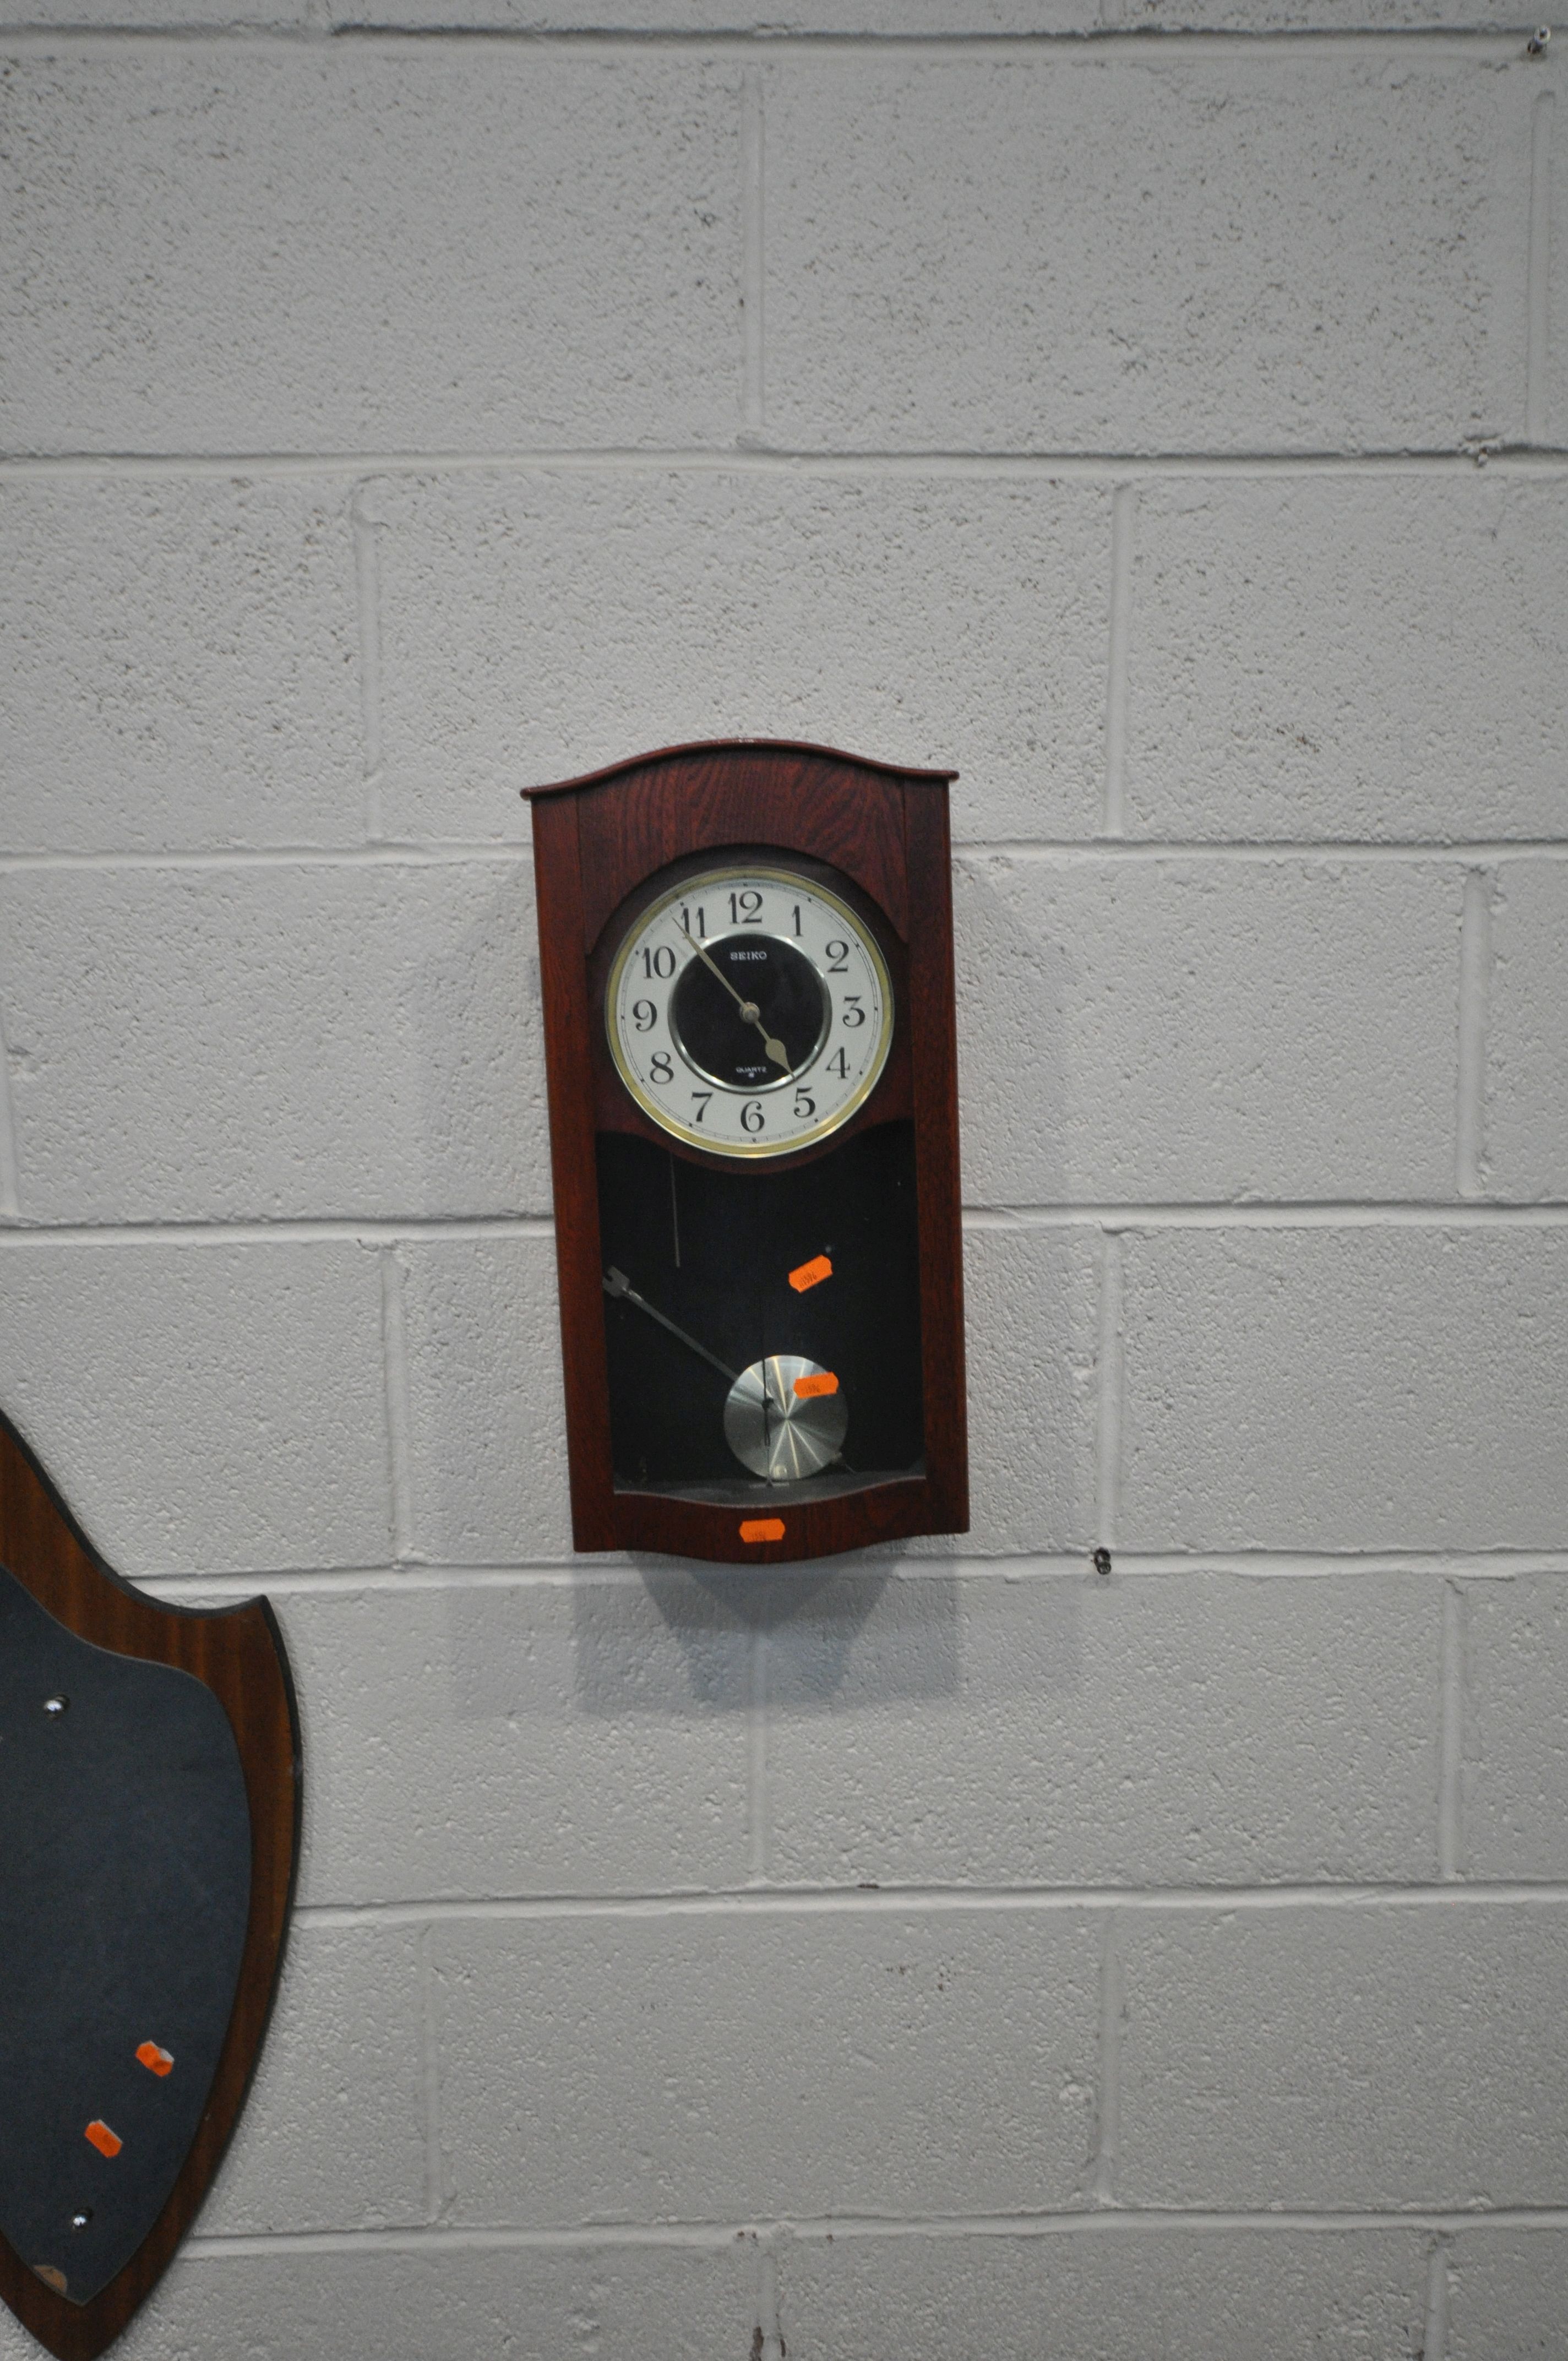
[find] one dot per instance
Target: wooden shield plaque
(149, 1806)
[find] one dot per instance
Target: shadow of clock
(827, 1625)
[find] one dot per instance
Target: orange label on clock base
(824, 1382)
(106, 2142)
(763, 1528)
(811, 1274)
(156, 2060)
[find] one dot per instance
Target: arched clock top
(638, 816)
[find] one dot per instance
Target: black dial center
(770, 977)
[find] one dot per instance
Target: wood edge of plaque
(238, 1654)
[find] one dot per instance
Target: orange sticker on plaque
(106, 2142)
(763, 1528)
(157, 2061)
(824, 1382)
(811, 1274)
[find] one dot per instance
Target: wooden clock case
(599, 843)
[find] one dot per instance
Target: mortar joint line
(1538, 344)
(1434, 2338)
(753, 263)
(1547, 461)
(10, 1166)
(1067, 46)
(1108, 2097)
(1475, 997)
(767, 2345)
(757, 1802)
(395, 1380)
(1450, 1774)
(436, 2199)
(1123, 517)
(1108, 1424)
(368, 521)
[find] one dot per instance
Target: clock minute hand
(749, 1008)
(618, 1285)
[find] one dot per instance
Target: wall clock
(746, 956)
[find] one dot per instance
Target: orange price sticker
(811, 1274)
(824, 1382)
(157, 2061)
(763, 1528)
(106, 2142)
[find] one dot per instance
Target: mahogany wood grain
(598, 841)
(569, 1067)
(238, 1654)
(808, 799)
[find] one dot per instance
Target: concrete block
(1136, 1032)
(536, 1739)
(1352, 2058)
(1174, 1730)
(332, 2136)
(203, 1409)
(687, 2302)
(1118, 251)
(1507, 2293)
(1030, 1302)
(741, 2067)
(537, 625)
(274, 1041)
(1347, 656)
(337, 246)
(1107, 2292)
(488, 1433)
(1525, 1144)
(1362, 1389)
(1516, 1743)
(181, 663)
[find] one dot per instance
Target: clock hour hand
(618, 1285)
(749, 1009)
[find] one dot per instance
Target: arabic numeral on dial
(661, 1070)
(751, 1116)
(644, 1015)
(745, 908)
(660, 962)
(838, 957)
(840, 1064)
(701, 929)
(796, 915)
(700, 1099)
(804, 1104)
(853, 1012)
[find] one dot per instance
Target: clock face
(749, 1011)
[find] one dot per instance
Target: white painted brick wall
(1326, 2057)
(970, 1952)
(808, 616)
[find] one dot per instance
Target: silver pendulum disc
(778, 1433)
